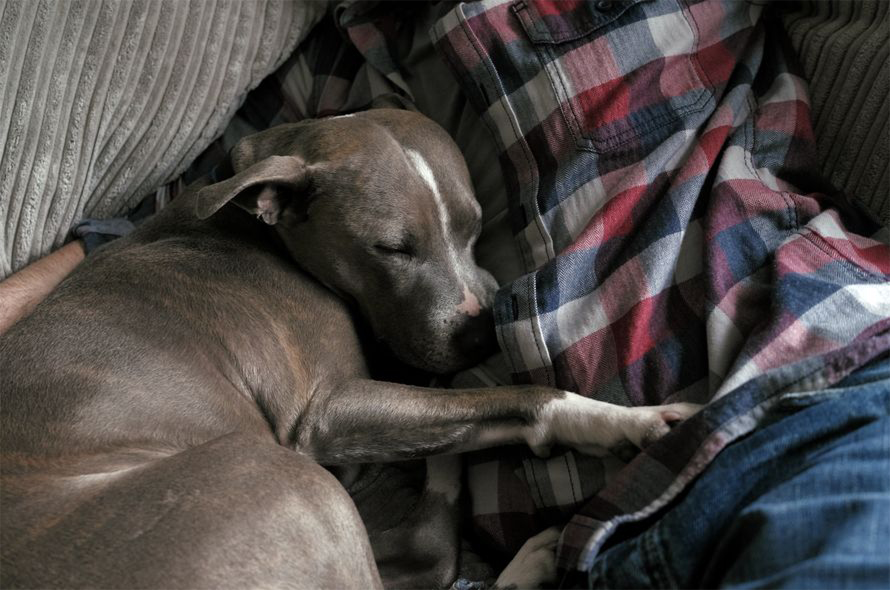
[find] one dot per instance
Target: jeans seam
(658, 566)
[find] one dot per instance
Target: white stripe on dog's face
(423, 169)
(426, 174)
(470, 304)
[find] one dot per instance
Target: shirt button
(605, 5)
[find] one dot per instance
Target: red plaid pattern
(679, 242)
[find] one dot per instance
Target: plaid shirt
(678, 240)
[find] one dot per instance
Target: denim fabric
(803, 502)
(98, 232)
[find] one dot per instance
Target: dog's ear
(261, 189)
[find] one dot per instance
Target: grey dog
(167, 411)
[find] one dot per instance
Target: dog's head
(379, 207)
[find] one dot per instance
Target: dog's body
(153, 404)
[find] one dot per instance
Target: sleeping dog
(167, 411)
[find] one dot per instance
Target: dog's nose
(476, 338)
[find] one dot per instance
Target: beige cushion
(101, 102)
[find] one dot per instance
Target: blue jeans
(802, 502)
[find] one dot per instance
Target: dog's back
(129, 361)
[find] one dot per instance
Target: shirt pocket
(625, 72)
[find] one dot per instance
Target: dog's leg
(366, 421)
(236, 512)
(421, 551)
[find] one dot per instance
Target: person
(21, 292)
(661, 232)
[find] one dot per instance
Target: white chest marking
(443, 476)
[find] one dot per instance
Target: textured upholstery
(844, 48)
(103, 101)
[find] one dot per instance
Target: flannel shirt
(678, 240)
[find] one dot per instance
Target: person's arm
(21, 292)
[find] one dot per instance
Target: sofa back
(844, 48)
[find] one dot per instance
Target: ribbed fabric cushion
(103, 101)
(844, 48)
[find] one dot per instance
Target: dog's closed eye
(404, 249)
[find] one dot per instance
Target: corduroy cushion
(844, 48)
(101, 102)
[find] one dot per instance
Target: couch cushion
(844, 48)
(102, 102)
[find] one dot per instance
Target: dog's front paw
(594, 428)
(534, 564)
(645, 425)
